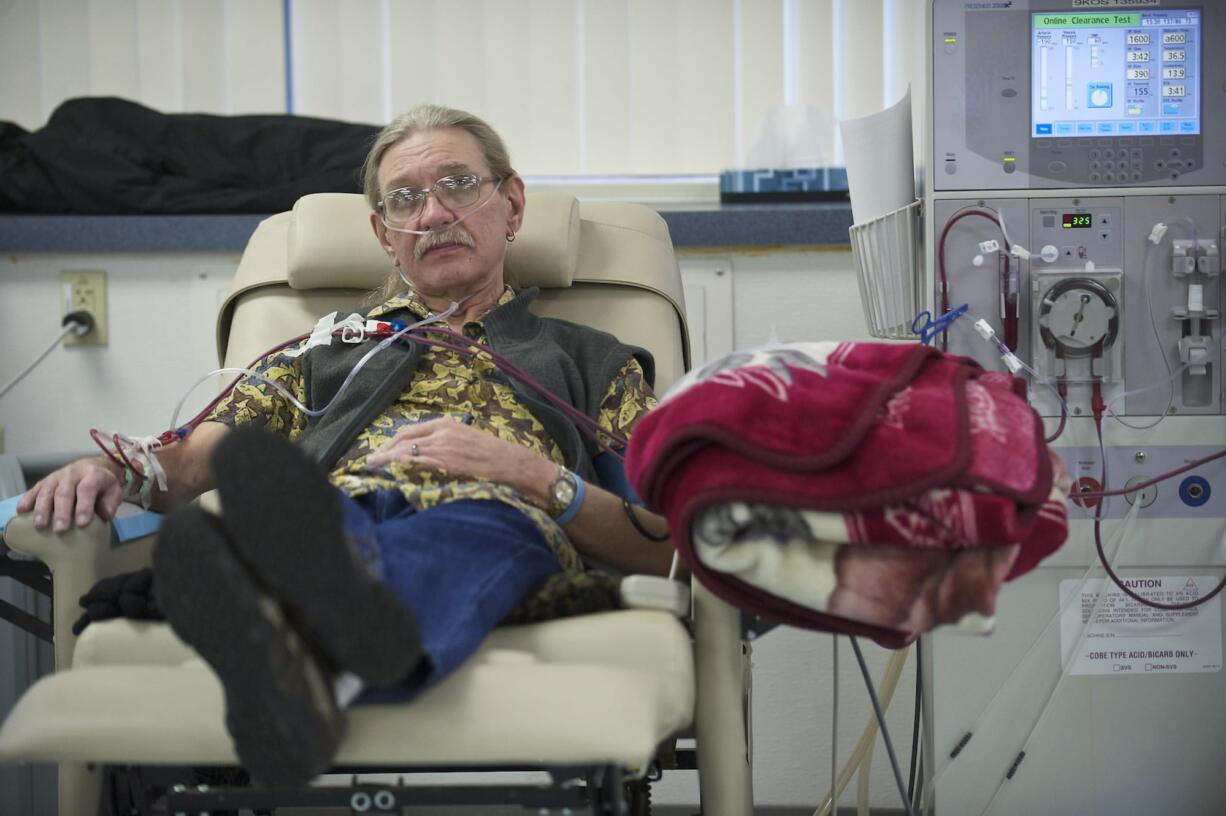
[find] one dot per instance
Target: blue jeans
(459, 567)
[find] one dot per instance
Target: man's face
(470, 257)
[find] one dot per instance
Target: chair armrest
(77, 560)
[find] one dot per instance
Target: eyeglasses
(402, 206)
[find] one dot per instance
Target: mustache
(451, 235)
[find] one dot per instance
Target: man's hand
(75, 492)
(450, 445)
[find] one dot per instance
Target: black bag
(106, 155)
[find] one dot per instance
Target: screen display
(1077, 220)
(1115, 74)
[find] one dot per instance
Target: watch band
(572, 509)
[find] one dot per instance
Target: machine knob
(1049, 253)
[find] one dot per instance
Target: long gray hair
(427, 117)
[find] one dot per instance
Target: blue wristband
(572, 509)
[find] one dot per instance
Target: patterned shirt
(447, 383)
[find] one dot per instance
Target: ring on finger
(414, 450)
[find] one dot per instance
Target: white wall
(161, 322)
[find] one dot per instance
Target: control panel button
(1095, 154)
(1057, 167)
(1136, 154)
(1108, 154)
(1096, 177)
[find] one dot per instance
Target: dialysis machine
(1075, 190)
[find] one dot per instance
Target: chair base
(604, 790)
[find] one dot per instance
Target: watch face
(563, 490)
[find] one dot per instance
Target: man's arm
(74, 494)
(600, 530)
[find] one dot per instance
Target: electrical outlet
(85, 290)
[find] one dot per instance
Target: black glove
(128, 595)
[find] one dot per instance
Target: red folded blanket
(913, 448)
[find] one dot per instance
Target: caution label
(1128, 637)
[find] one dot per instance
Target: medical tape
(321, 335)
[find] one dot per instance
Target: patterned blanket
(866, 488)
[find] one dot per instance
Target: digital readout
(1077, 220)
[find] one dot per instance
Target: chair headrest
(332, 245)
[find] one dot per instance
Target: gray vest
(577, 363)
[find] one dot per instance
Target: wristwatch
(565, 496)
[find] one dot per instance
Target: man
(452, 491)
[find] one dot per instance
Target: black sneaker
(281, 710)
(284, 519)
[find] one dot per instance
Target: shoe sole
(285, 522)
(280, 707)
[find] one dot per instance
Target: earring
(510, 237)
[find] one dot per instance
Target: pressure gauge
(1079, 317)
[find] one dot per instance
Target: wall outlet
(85, 290)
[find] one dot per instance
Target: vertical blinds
(576, 87)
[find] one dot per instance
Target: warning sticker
(1128, 637)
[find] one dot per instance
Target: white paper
(880, 165)
(1127, 637)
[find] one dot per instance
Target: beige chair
(596, 694)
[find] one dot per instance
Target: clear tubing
(1147, 285)
(864, 782)
(889, 681)
(832, 800)
(454, 223)
(885, 731)
(1000, 217)
(1171, 380)
(1064, 666)
(384, 343)
(940, 771)
(1003, 229)
(1003, 350)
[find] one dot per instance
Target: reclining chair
(588, 698)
